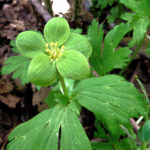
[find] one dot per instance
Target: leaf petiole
(63, 85)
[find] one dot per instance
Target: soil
(20, 103)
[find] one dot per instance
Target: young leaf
(104, 3)
(43, 131)
(139, 20)
(111, 58)
(18, 65)
(14, 47)
(144, 131)
(125, 144)
(109, 97)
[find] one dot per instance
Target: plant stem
(131, 58)
(144, 145)
(63, 85)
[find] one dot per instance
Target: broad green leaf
(42, 71)
(80, 43)
(109, 58)
(18, 65)
(95, 34)
(43, 132)
(39, 133)
(57, 30)
(30, 43)
(144, 132)
(73, 65)
(113, 38)
(117, 59)
(73, 136)
(109, 97)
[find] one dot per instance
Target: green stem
(131, 58)
(147, 115)
(131, 144)
(144, 145)
(63, 85)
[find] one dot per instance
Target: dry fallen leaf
(10, 100)
(39, 97)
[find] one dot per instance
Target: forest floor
(19, 103)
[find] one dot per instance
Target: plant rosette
(58, 53)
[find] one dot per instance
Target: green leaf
(42, 71)
(134, 5)
(18, 65)
(109, 97)
(39, 133)
(139, 20)
(96, 33)
(51, 98)
(140, 7)
(30, 43)
(114, 37)
(140, 29)
(117, 59)
(100, 133)
(104, 3)
(144, 131)
(77, 30)
(73, 136)
(111, 58)
(73, 65)
(125, 144)
(57, 30)
(101, 146)
(14, 47)
(43, 132)
(80, 43)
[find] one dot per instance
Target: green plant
(116, 9)
(106, 56)
(139, 19)
(62, 57)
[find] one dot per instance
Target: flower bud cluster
(54, 50)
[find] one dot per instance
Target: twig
(135, 72)
(135, 126)
(41, 10)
